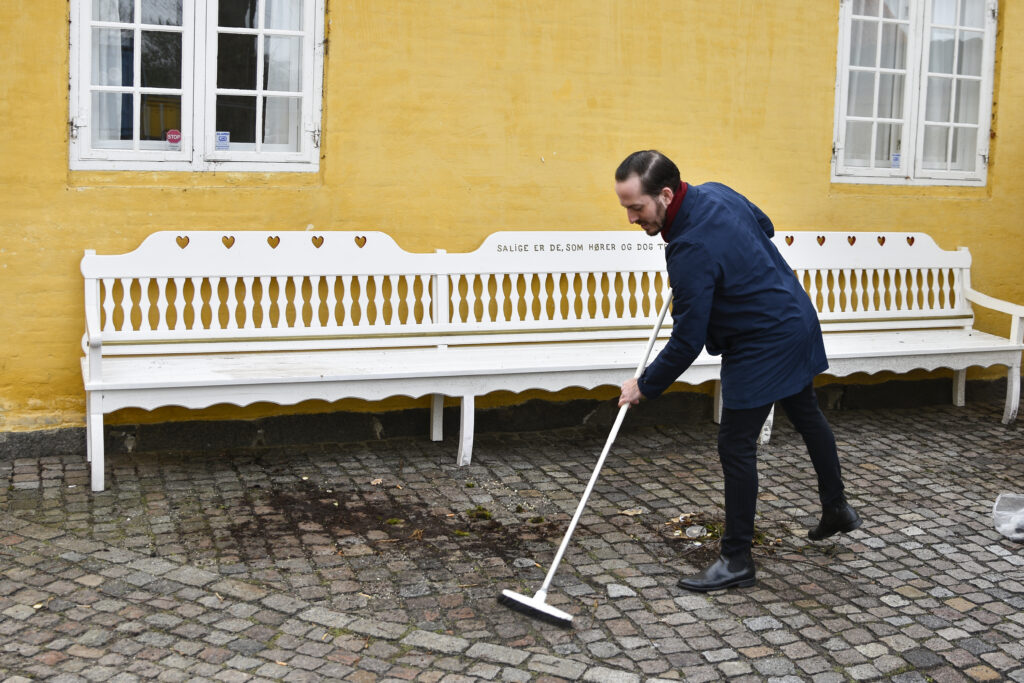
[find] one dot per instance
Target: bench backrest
(542, 281)
(878, 281)
(361, 288)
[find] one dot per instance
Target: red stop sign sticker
(174, 136)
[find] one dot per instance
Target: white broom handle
(604, 454)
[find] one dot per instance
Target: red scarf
(673, 209)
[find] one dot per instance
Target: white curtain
(282, 64)
(284, 14)
(939, 93)
(878, 60)
(891, 86)
(956, 98)
(111, 115)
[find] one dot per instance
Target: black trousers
(737, 449)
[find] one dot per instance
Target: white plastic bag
(1008, 515)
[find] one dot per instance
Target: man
(734, 293)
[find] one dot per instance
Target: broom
(536, 606)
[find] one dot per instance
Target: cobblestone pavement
(383, 561)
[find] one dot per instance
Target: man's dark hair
(654, 168)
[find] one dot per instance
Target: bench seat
(905, 350)
(488, 367)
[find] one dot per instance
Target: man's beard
(658, 225)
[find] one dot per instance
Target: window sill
(166, 178)
(934, 190)
(200, 167)
(892, 181)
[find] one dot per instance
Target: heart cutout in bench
(821, 240)
(910, 241)
(360, 241)
(229, 241)
(881, 240)
(273, 241)
(182, 241)
(789, 240)
(851, 239)
(318, 241)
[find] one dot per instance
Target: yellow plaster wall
(447, 120)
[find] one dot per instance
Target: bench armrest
(1015, 311)
(93, 337)
(92, 340)
(92, 347)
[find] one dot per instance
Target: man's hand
(630, 393)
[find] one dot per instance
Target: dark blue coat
(734, 293)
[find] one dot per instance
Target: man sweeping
(734, 293)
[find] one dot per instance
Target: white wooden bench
(201, 318)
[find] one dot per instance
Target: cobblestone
(383, 561)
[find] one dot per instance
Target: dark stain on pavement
(360, 523)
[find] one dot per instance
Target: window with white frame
(914, 91)
(196, 85)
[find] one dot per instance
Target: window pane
(161, 12)
(887, 145)
(236, 62)
(282, 122)
(894, 46)
(282, 63)
(112, 62)
(965, 149)
(161, 59)
(858, 143)
(113, 10)
(940, 60)
(240, 13)
(972, 13)
(160, 113)
(935, 138)
(896, 9)
(944, 12)
(940, 91)
(111, 120)
(865, 7)
(284, 14)
(968, 97)
(890, 96)
(864, 43)
(861, 100)
(969, 60)
(237, 115)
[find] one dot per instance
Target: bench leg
(1012, 395)
(766, 428)
(716, 409)
(436, 417)
(94, 441)
(959, 388)
(466, 431)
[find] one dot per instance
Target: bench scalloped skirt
(200, 318)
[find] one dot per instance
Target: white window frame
(910, 170)
(198, 96)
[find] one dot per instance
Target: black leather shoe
(834, 519)
(722, 573)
